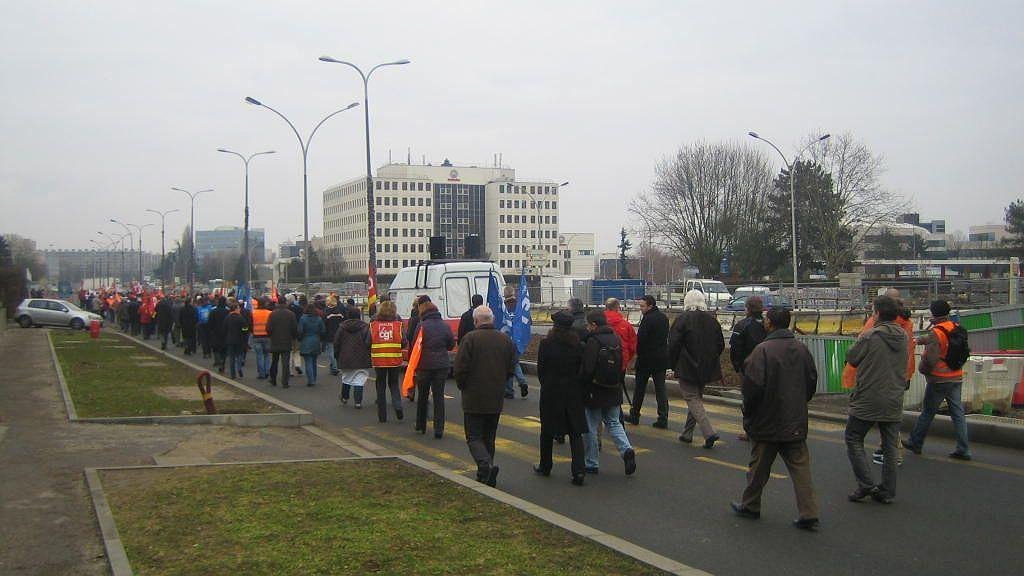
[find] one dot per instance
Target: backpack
(957, 351)
(608, 370)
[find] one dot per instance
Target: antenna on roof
(389, 155)
(408, 156)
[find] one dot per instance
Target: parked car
(52, 312)
(715, 292)
(770, 301)
(750, 291)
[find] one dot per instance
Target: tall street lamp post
(371, 217)
(305, 179)
(190, 264)
(117, 240)
(138, 229)
(792, 198)
(245, 232)
(163, 217)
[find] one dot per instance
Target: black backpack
(957, 352)
(608, 371)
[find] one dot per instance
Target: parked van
(450, 286)
(715, 292)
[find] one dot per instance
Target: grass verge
(357, 517)
(108, 382)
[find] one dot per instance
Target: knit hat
(939, 308)
(562, 319)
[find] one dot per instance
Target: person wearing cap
(943, 383)
(651, 360)
(559, 358)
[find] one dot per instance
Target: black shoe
(285, 386)
(810, 524)
(860, 494)
(344, 400)
(629, 458)
(910, 446)
(560, 439)
(959, 456)
(310, 384)
(577, 479)
(509, 395)
(421, 430)
(633, 418)
(524, 390)
(744, 512)
(273, 383)
(298, 371)
(541, 471)
(709, 442)
(492, 477)
(399, 414)
(881, 497)
(688, 438)
(334, 372)
(663, 424)
(240, 375)
(439, 435)
(594, 471)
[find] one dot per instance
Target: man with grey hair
(485, 360)
(695, 345)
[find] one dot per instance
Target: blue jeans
(261, 345)
(327, 347)
(309, 366)
(518, 376)
(934, 394)
(234, 359)
(610, 417)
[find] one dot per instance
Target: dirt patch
(192, 392)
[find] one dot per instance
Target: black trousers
(481, 430)
(387, 379)
(575, 448)
(282, 359)
(432, 382)
(660, 392)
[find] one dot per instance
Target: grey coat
(880, 357)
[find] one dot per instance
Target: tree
(1014, 218)
(708, 200)
(624, 246)
(955, 244)
(818, 210)
(5, 253)
(860, 202)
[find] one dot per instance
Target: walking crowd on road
(581, 365)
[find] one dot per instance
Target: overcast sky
(106, 105)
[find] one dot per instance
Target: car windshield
(715, 287)
(71, 306)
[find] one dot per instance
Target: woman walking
(561, 395)
(311, 330)
(386, 344)
(352, 347)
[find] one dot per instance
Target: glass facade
(458, 212)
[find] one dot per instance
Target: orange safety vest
(259, 322)
(386, 344)
(941, 369)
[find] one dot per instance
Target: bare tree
(955, 241)
(703, 200)
(863, 202)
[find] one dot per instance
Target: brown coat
(779, 379)
(485, 360)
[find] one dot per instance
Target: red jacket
(626, 333)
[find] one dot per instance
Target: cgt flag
(522, 321)
(371, 292)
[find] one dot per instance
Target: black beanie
(939, 308)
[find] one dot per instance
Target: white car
(52, 312)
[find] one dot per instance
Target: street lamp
(191, 263)
(305, 153)
(371, 214)
(119, 240)
(163, 216)
(139, 230)
(245, 233)
(792, 197)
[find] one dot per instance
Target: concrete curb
(293, 418)
(993, 433)
(120, 565)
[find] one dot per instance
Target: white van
(450, 286)
(715, 292)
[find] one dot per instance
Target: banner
(371, 292)
(496, 303)
(522, 322)
(408, 382)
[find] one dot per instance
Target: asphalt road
(949, 517)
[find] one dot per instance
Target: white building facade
(579, 257)
(515, 221)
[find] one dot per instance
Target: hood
(353, 325)
(433, 314)
(891, 333)
(614, 317)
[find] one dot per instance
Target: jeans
(856, 429)
(518, 376)
(280, 359)
(610, 417)
(660, 393)
(204, 339)
(163, 339)
(481, 431)
(934, 394)
(329, 349)
(261, 345)
(309, 365)
(218, 358)
(388, 379)
(432, 382)
(234, 358)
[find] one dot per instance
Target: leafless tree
(862, 202)
(955, 241)
(703, 200)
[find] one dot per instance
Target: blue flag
(522, 321)
(495, 301)
(243, 296)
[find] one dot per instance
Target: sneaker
(688, 438)
(524, 390)
(959, 456)
(881, 498)
(629, 458)
(810, 524)
(744, 512)
(910, 446)
(359, 406)
(709, 442)
(594, 471)
(577, 480)
(343, 400)
(878, 459)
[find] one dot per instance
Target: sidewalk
(49, 526)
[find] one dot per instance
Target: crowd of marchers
(582, 364)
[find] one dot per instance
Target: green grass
(107, 382)
(368, 517)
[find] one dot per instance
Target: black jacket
(187, 319)
(437, 341)
(595, 396)
(164, 315)
(779, 379)
(746, 335)
(283, 329)
(695, 345)
(333, 317)
(466, 324)
(352, 344)
(216, 322)
(652, 341)
(559, 359)
(236, 329)
(485, 360)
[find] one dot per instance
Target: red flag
(371, 293)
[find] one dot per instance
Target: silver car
(51, 312)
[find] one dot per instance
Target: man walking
(486, 358)
(602, 390)
(260, 339)
(695, 347)
(942, 365)
(236, 334)
(880, 357)
(746, 335)
(216, 326)
(164, 319)
(283, 329)
(779, 380)
(466, 322)
(651, 361)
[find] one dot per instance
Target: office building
(228, 240)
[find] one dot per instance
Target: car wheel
(77, 324)
(25, 322)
